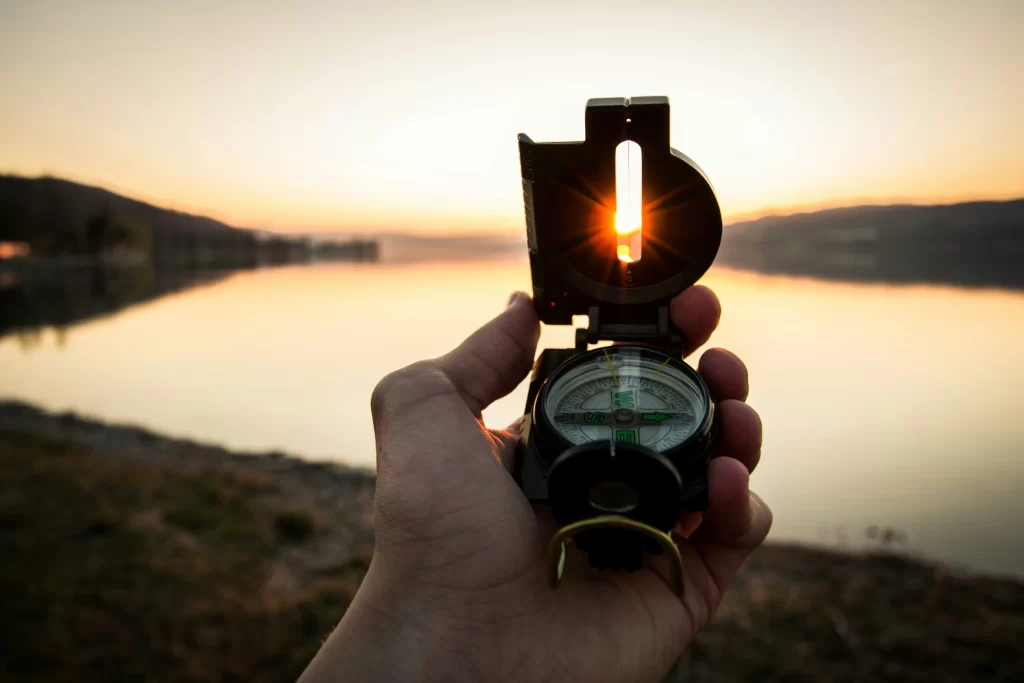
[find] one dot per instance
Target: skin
(457, 589)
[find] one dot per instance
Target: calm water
(882, 405)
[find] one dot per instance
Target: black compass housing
(569, 198)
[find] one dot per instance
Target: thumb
(495, 358)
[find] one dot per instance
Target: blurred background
(223, 223)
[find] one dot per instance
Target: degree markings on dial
(639, 418)
(676, 402)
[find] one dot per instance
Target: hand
(457, 587)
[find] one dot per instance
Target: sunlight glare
(628, 200)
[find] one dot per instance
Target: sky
(402, 116)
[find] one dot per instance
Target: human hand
(457, 587)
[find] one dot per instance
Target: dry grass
(119, 569)
(798, 614)
(116, 572)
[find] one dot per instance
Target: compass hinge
(661, 333)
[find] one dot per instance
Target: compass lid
(575, 237)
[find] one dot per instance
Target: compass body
(616, 435)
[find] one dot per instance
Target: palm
(486, 536)
(456, 516)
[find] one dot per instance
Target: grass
(295, 525)
(119, 570)
(112, 571)
(799, 614)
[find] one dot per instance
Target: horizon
(358, 232)
(772, 212)
(250, 120)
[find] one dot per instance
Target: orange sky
(403, 115)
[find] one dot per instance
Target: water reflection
(893, 406)
(32, 300)
(43, 294)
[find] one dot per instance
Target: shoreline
(263, 552)
(337, 497)
(149, 448)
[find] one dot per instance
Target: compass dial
(626, 394)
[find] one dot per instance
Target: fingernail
(512, 299)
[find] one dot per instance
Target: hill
(970, 244)
(91, 252)
(62, 219)
(59, 217)
(974, 243)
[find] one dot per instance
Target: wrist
(371, 643)
(391, 633)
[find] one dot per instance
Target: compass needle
(612, 368)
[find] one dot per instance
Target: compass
(616, 430)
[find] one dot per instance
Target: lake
(892, 406)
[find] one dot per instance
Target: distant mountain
(968, 244)
(26, 203)
(71, 222)
(973, 244)
(92, 253)
(59, 217)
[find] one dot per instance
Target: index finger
(696, 312)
